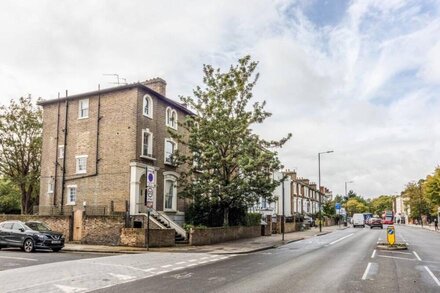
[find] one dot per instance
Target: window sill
(170, 164)
(81, 173)
(82, 118)
(148, 116)
(169, 126)
(148, 158)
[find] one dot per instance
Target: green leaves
(225, 160)
(20, 148)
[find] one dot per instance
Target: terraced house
(110, 150)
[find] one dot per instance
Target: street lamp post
(283, 221)
(319, 187)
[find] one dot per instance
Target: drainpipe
(56, 155)
(63, 179)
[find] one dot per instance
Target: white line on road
(18, 258)
(122, 277)
(432, 275)
(342, 238)
(374, 253)
(150, 269)
(180, 262)
(167, 266)
(364, 276)
(395, 257)
(69, 289)
(192, 260)
(191, 265)
(418, 257)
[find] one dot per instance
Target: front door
(77, 225)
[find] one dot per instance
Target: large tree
(227, 163)
(20, 148)
(432, 187)
(415, 197)
(380, 204)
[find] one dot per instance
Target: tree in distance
(20, 149)
(228, 165)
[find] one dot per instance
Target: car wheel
(56, 249)
(28, 245)
(371, 227)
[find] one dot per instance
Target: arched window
(147, 106)
(170, 192)
(171, 118)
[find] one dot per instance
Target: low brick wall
(105, 230)
(56, 223)
(288, 228)
(138, 237)
(204, 236)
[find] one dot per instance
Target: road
(342, 261)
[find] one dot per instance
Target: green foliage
(253, 219)
(431, 187)
(380, 204)
(354, 205)
(225, 161)
(416, 198)
(329, 209)
(20, 148)
(206, 212)
(9, 197)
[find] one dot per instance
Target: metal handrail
(154, 212)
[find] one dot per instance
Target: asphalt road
(342, 261)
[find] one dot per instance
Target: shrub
(253, 219)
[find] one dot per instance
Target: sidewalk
(427, 227)
(241, 246)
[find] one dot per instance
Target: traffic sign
(391, 235)
(338, 206)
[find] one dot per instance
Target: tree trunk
(226, 216)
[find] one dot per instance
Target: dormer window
(171, 118)
(147, 107)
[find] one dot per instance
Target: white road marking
(18, 258)
(167, 266)
(364, 276)
(395, 257)
(148, 270)
(418, 257)
(432, 275)
(191, 265)
(374, 253)
(192, 260)
(204, 257)
(162, 272)
(202, 262)
(224, 257)
(342, 238)
(214, 259)
(177, 268)
(122, 277)
(69, 289)
(180, 262)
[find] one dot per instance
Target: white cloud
(366, 86)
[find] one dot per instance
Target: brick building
(104, 148)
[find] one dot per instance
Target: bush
(253, 219)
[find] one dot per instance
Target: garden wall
(204, 236)
(138, 237)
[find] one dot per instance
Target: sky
(361, 78)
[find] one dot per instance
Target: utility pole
(283, 219)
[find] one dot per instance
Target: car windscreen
(38, 226)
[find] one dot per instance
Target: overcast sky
(361, 78)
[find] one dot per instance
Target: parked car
(30, 236)
(358, 220)
(376, 222)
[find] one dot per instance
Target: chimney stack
(157, 84)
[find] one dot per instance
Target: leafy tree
(417, 200)
(380, 204)
(9, 197)
(354, 206)
(20, 148)
(226, 162)
(431, 187)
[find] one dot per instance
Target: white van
(358, 220)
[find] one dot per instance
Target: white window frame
(150, 106)
(150, 144)
(77, 159)
(174, 199)
(69, 188)
(80, 108)
(165, 150)
(168, 118)
(60, 151)
(50, 186)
